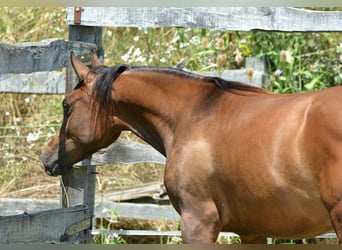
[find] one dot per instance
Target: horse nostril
(48, 172)
(52, 170)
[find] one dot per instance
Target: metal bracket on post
(77, 15)
(76, 228)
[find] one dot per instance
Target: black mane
(101, 101)
(219, 82)
(107, 75)
(102, 94)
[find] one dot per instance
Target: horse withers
(239, 158)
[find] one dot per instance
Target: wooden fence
(72, 222)
(61, 224)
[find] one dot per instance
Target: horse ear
(80, 69)
(95, 61)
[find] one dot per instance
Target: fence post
(78, 186)
(87, 34)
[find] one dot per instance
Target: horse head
(83, 130)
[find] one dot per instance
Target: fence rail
(218, 18)
(25, 207)
(51, 226)
(47, 55)
(32, 67)
(70, 223)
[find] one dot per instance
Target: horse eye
(66, 107)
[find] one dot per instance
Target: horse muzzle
(52, 167)
(54, 170)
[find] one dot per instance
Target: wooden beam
(105, 209)
(75, 187)
(258, 79)
(47, 82)
(52, 226)
(46, 55)
(15, 206)
(152, 191)
(218, 18)
(53, 82)
(81, 34)
(137, 211)
(9, 206)
(123, 151)
(78, 187)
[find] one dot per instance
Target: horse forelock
(101, 99)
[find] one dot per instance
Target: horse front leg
(200, 224)
(200, 219)
(336, 219)
(331, 193)
(190, 185)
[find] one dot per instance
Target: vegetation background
(296, 62)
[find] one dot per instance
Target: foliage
(195, 49)
(299, 61)
(296, 62)
(32, 24)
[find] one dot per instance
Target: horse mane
(219, 82)
(101, 100)
(106, 76)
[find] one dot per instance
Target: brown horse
(239, 158)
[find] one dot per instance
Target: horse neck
(151, 104)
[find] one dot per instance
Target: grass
(25, 129)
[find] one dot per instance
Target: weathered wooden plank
(152, 233)
(15, 206)
(78, 187)
(85, 34)
(106, 209)
(155, 191)
(102, 209)
(51, 54)
(123, 151)
(46, 82)
(137, 211)
(75, 187)
(47, 226)
(258, 78)
(53, 82)
(218, 18)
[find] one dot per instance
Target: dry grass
(26, 121)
